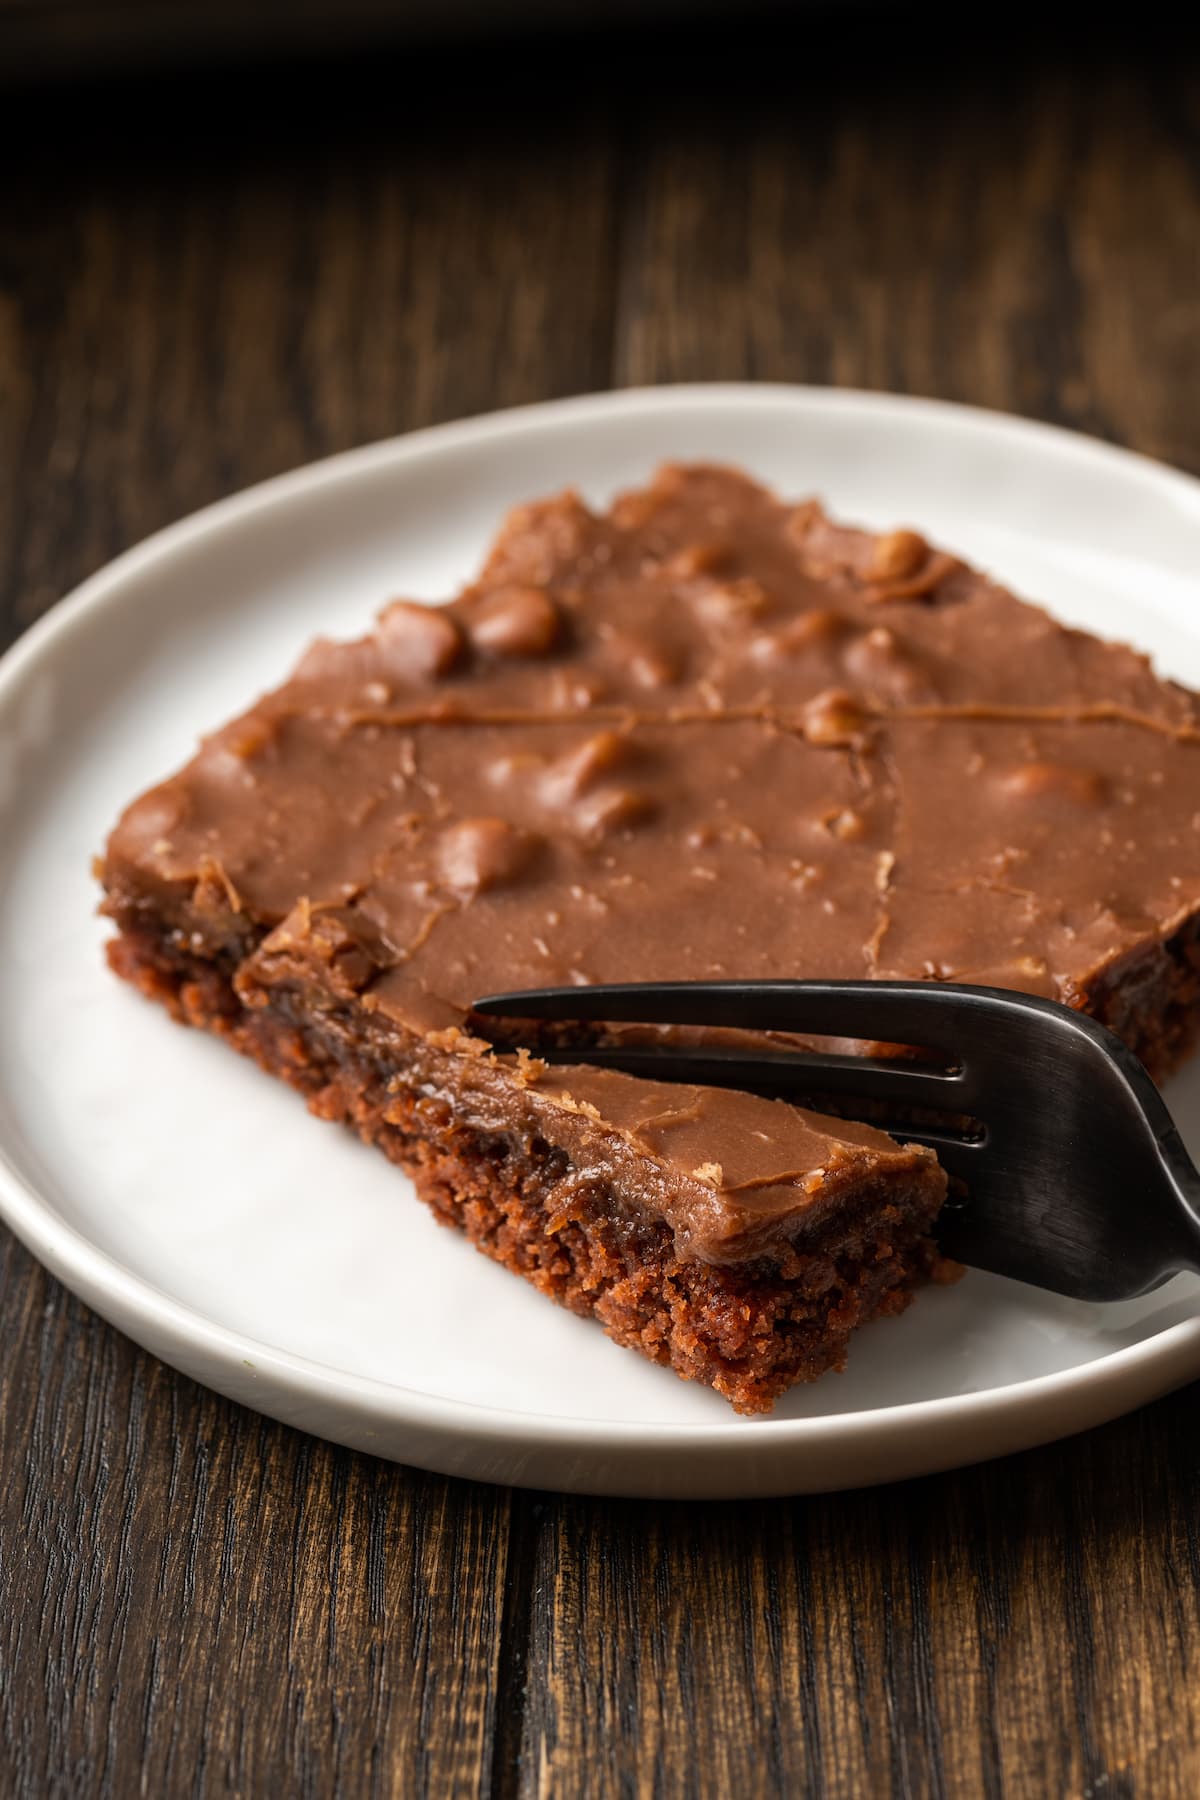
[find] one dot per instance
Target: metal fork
(1071, 1174)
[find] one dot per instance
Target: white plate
(195, 1203)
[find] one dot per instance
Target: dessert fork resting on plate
(1066, 1168)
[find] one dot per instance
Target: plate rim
(131, 1301)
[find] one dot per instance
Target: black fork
(1069, 1172)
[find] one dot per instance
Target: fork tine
(963, 1158)
(787, 1075)
(898, 1012)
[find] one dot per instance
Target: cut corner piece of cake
(703, 734)
(737, 1240)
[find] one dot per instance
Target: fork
(1066, 1168)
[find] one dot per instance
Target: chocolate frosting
(705, 734)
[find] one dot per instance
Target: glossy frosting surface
(706, 734)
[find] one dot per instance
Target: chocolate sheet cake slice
(706, 734)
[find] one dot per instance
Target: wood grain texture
(1028, 1628)
(194, 1600)
(203, 284)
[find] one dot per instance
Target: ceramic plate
(195, 1203)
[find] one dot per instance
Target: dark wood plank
(194, 1600)
(1017, 237)
(1026, 1628)
(194, 309)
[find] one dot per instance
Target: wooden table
(201, 285)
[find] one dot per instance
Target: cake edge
(748, 1330)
